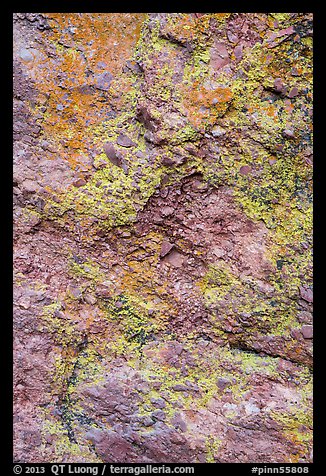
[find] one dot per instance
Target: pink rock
(166, 248)
(219, 56)
(175, 259)
(79, 183)
(307, 331)
(306, 293)
(112, 154)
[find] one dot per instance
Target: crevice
(65, 403)
(260, 353)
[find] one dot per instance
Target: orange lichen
(205, 106)
(87, 46)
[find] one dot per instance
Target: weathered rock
(306, 293)
(218, 131)
(307, 331)
(103, 80)
(222, 383)
(125, 141)
(145, 301)
(288, 133)
(245, 170)
(112, 154)
(293, 92)
(167, 211)
(166, 248)
(80, 182)
(175, 258)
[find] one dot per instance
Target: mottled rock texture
(163, 237)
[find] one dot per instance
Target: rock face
(163, 237)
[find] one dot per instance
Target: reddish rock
(307, 331)
(305, 316)
(219, 56)
(279, 86)
(166, 248)
(306, 294)
(175, 258)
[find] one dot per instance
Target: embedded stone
(175, 258)
(306, 294)
(307, 331)
(245, 170)
(26, 55)
(222, 383)
(293, 93)
(79, 183)
(159, 415)
(125, 141)
(238, 52)
(166, 248)
(103, 80)
(279, 87)
(167, 211)
(112, 154)
(288, 133)
(218, 131)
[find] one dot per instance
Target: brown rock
(245, 170)
(112, 154)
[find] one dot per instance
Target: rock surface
(163, 237)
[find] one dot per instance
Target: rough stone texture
(163, 237)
